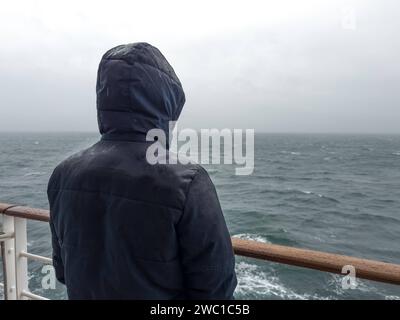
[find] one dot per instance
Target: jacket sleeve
(57, 261)
(206, 252)
(56, 255)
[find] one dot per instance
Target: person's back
(123, 228)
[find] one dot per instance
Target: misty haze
(292, 66)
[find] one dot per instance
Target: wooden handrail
(25, 212)
(317, 260)
(322, 261)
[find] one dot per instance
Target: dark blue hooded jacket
(123, 228)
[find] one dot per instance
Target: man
(123, 228)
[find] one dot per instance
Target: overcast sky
(275, 66)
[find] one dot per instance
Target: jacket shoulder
(65, 167)
(124, 172)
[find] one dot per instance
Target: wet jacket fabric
(126, 229)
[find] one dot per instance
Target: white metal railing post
(21, 263)
(10, 287)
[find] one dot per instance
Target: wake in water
(256, 281)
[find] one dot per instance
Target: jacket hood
(137, 90)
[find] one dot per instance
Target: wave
(377, 217)
(294, 153)
(384, 200)
(254, 282)
(356, 194)
(251, 236)
(272, 177)
(34, 173)
(365, 217)
(284, 191)
(328, 198)
(300, 192)
(391, 297)
(363, 287)
(212, 171)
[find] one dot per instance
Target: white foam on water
(253, 281)
(319, 239)
(251, 236)
(212, 171)
(335, 284)
(319, 195)
(31, 275)
(310, 192)
(34, 173)
(290, 152)
(392, 298)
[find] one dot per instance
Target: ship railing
(15, 256)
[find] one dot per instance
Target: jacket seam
(173, 260)
(130, 112)
(146, 64)
(118, 196)
(188, 190)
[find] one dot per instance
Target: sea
(328, 192)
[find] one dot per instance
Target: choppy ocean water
(335, 193)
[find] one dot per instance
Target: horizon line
(256, 131)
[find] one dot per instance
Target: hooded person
(123, 228)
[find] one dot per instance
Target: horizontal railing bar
(25, 212)
(5, 206)
(36, 257)
(6, 236)
(32, 296)
(322, 261)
